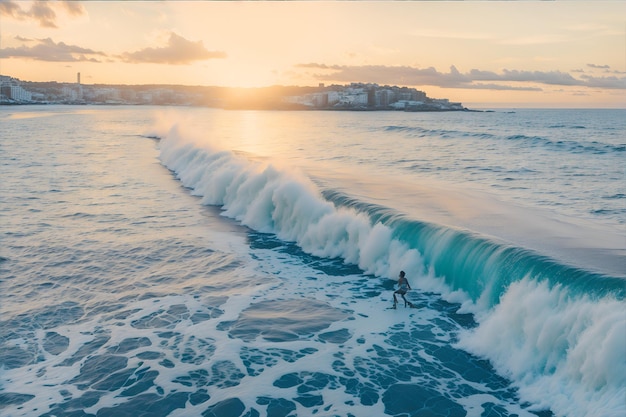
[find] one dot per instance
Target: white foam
(285, 202)
(562, 352)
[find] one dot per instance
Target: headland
(350, 97)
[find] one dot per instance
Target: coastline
(349, 97)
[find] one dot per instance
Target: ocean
(205, 262)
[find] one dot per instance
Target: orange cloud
(41, 11)
(50, 51)
(178, 51)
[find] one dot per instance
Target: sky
(481, 53)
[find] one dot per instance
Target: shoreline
(270, 108)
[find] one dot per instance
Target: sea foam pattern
(128, 297)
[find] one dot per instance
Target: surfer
(403, 287)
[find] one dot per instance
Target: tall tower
(80, 87)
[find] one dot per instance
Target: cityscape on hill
(355, 96)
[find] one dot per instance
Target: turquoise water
(240, 263)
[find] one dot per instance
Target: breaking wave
(554, 329)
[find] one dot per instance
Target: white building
(69, 93)
(16, 92)
(353, 97)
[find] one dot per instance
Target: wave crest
(567, 351)
(555, 330)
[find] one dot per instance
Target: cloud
(541, 77)
(383, 74)
(48, 50)
(611, 83)
(178, 51)
(500, 87)
(10, 8)
(41, 11)
(474, 79)
(23, 39)
(74, 8)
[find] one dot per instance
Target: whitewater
(242, 263)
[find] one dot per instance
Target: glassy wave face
(263, 286)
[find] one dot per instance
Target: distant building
(70, 93)
(15, 92)
(360, 96)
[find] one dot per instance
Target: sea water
(203, 262)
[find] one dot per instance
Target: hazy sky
(523, 53)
